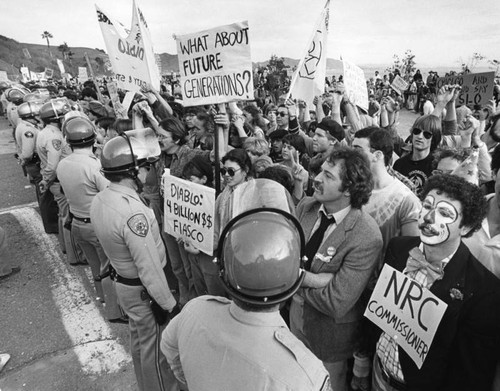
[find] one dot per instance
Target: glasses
(282, 113)
(439, 172)
(229, 171)
(417, 131)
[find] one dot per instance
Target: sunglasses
(229, 171)
(417, 131)
(282, 113)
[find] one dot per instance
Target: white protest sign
(406, 311)
(216, 65)
(3, 76)
(130, 51)
(189, 212)
(33, 76)
(82, 74)
(477, 88)
(399, 84)
(355, 85)
(49, 73)
(60, 64)
(25, 72)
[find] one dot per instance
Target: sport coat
(327, 319)
(466, 346)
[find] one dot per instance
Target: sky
(365, 32)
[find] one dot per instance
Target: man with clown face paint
(466, 346)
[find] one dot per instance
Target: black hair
(379, 139)
(355, 174)
(239, 156)
(495, 159)
(280, 174)
(295, 141)
(175, 126)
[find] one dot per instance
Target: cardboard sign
(25, 73)
(49, 73)
(399, 84)
(406, 311)
(477, 88)
(215, 65)
(355, 85)
(189, 212)
(82, 74)
(130, 51)
(60, 64)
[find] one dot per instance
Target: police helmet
(260, 255)
(28, 110)
(14, 95)
(79, 130)
(55, 108)
(125, 153)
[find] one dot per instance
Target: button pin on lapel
(331, 251)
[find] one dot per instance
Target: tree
(46, 35)
(405, 65)
(64, 49)
(469, 65)
(274, 76)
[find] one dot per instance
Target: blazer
(466, 346)
(331, 315)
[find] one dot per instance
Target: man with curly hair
(465, 348)
(343, 245)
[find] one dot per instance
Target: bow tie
(416, 261)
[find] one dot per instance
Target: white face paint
(439, 219)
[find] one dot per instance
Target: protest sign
(82, 74)
(355, 85)
(49, 73)
(189, 212)
(60, 64)
(40, 75)
(215, 65)
(3, 76)
(130, 51)
(477, 88)
(25, 73)
(33, 76)
(406, 311)
(399, 84)
(309, 78)
(115, 100)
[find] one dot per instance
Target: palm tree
(47, 35)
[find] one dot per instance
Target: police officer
(25, 134)
(130, 237)
(15, 98)
(51, 148)
(81, 179)
(245, 344)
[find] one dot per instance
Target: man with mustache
(466, 346)
(343, 245)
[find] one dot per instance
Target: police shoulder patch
(29, 134)
(57, 144)
(138, 224)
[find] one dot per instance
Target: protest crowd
(322, 214)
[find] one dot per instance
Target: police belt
(128, 281)
(82, 219)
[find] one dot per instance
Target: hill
(12, 58)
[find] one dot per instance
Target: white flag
(130, 51)
(309, 78)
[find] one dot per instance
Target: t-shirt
(392, 207)
(417, 171)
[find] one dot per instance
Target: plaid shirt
(387, 347)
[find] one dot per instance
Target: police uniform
(215, 345)
(12, 115)
(130, 237)
(51, 148)
(25, 135)
(81, 179)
